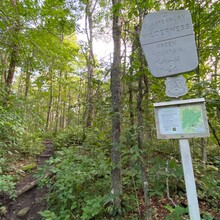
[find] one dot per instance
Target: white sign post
(189, 179)
(183, 119)
(168, 42)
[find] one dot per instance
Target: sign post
(189, 179)
(183, 119)
(168, 43)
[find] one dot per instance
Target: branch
(214, 133)
(31, 185)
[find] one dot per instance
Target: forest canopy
(74, 72)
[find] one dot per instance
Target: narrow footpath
(31, 198)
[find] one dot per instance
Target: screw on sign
(168, 42)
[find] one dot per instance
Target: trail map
(186, 119)
(192, 119)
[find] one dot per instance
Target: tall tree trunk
(142, 80)
(198, 72)
(63, 118)
(69, 107)
(50, 102)
(14, 51)
(90, 62)
(140, 145)
(4, 61)
(131, 98)
(116, 108)
(58, 104)
(27, 81)
(12, 65)
(28, 75)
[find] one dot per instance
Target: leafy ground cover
(81, 188)
(18, 198)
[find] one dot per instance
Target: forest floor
(28, 205)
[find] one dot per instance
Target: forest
(75, 84)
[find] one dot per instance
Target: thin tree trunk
(132, 140)
(64, 104)
(130, 89)
(58, 105)
(50, 102)
(28, 75)
(140, 144)
(142, 79)
(116, 109)
(63, 118)
(216, 85)
(4, 60)
(199, 92)
(69, 107)
(27, 83)
(20, 84)
(213, 130)
(79, 103)
(12, 65)
(90, 63)
(14, 52)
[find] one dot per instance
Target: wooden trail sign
(168, 42)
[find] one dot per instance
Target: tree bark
(116, 109)
(199, 92)
(58, 104)
(27, 80)
(130, 88)
(90, 63)
(50, 102)
(32, 184)
(14, 51)
(141, 82)
(140, 144)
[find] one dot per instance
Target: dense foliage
(54, 84)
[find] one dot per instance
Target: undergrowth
(81, 187)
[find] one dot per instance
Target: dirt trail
(32, 201)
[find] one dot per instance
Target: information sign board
(168, 42)
(181, 119)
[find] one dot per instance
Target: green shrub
(208, 182)
(176, 213)
(80, 185)
(69, 137)
(7, 185)
(11, 129)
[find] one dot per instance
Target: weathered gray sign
(176, 86)
(168, 42)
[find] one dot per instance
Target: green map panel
(192, 119)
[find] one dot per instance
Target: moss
(30, 166)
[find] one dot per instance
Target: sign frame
(177, 133)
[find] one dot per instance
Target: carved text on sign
(167, 31)
(168, 43)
